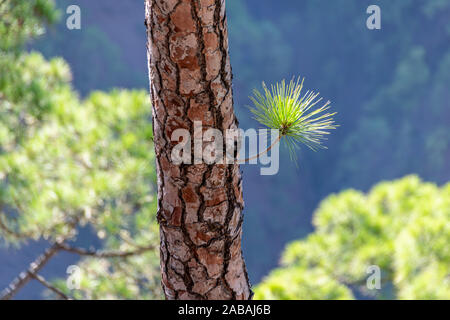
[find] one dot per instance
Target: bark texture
(199, 205)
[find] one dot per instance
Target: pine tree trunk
(199, 205)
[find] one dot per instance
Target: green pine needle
(284, 108)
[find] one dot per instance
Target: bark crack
(199, 206)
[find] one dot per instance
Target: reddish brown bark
(199, 206)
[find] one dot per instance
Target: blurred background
(390, 87)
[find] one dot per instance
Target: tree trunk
(199, 205)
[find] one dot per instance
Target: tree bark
(199, 205)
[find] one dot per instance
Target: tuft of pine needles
(293, 114)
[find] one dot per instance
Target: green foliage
(62, 157)
(400, 226)
(285, 109)
(135, 278)
(67, 164)
(22, 20)
(295, 284)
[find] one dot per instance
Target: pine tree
(199, 205)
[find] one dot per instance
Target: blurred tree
(22, 20)
(400, 226)
(67, 164)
